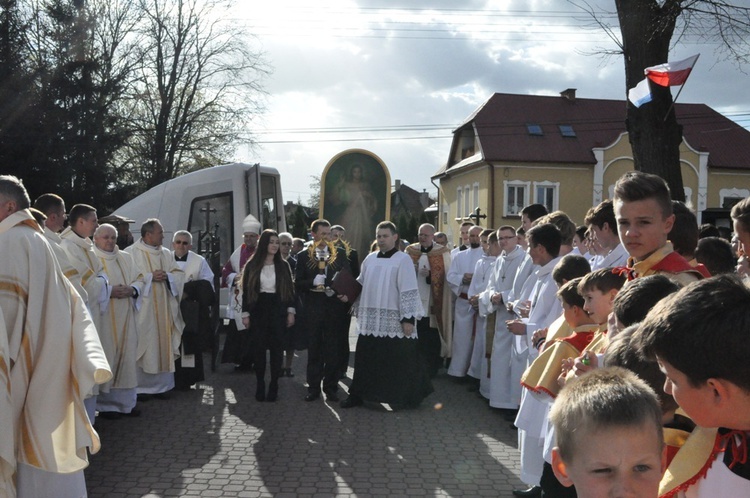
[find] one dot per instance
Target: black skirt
(389, 370)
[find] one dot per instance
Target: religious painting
(356, 194)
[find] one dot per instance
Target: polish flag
(671, 73)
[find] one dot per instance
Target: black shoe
(144, 397)
(273, 391)
(162, 396)
(135, 412)
(351, 402)
(110, 415)
(332, 396)
(312, 396)
(289, 372)
(533, 492)
(510, 415)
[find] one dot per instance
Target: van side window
(268, 202)
(209, 213)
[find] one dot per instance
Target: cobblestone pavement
(216, 440)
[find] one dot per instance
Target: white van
(211, 204)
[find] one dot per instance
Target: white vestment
(118, 332)
(532, 414)
(504, 381)
(81, 255)
(62, 258)
(159, 320)
(54, 357)
(478, 361)
(196, 268)
(616, 257)
(463, 317)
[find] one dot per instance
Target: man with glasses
(197, 297)
(508, 276)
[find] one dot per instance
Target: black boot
(260, 390)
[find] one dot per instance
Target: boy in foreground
(699, 338)
(609, 435)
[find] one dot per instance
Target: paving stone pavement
(216, 440)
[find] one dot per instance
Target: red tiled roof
(501, 125)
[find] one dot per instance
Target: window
(546, 193)
(729, 197)
(516, 197)
(209, 213)
(567, 131)
(270, 218)
(459, 203)
(467, 201)
(534, 129)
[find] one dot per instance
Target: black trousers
(267, 323)
(324, 318)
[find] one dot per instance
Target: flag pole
(679, 91)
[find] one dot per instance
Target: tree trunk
(653, 131)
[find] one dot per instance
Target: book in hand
(345, 284)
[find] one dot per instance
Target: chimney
(569, 94)
(424, 198)
(398, 185)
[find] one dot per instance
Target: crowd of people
(615, 347)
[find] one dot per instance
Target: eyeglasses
(506, 238)
(181, 242)
(286, 243)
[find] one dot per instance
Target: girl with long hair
(267, 308)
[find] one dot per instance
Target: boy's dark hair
(620, 353)
(701, 331)
(568, 293)
(564, 224)
(602, 399)
(319, 223)
(684, 233)
(741, 212)
(486, 232)
(546, 235)
(601, 214)
(636, 299)
(716, 255)
(79, 211)
(581, 231)
(492, 238)
(603, 280)
(534, 211)
(521, 232)
(638, 186)
(569, 267)
(707, 230)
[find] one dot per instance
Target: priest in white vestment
(482, 271)
(194, 265)
(53, 358)
(117, 328)
(53, 207)
(387, 366)
(459, 277)
(158, 320)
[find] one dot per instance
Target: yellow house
(567, 153)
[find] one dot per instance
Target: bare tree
(198, 83)
(649, 28)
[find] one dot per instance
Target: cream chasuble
(159, 320)
(54, 356)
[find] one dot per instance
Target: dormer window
(534, 129)
(567, 131)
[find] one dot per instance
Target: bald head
(105, 237)
(426, 235)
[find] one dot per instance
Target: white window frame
(459, 202)
(740, 193)
(555, 194)
(475, 190)
(467, 201)
(507, 185)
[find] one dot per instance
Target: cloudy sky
(396, 80)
